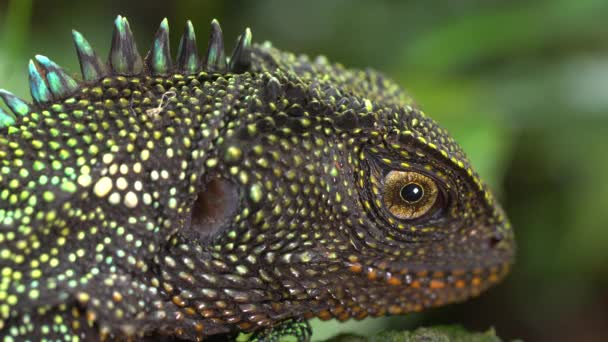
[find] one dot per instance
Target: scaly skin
(199, 199)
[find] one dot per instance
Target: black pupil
(412, 193)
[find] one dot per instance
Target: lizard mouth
(399, 287)
(407, 291)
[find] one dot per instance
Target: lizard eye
(409, 195)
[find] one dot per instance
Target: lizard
(209, 195)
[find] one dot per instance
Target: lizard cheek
(213, 207)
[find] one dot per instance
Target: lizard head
(365, 204)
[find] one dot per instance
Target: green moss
(451, 333)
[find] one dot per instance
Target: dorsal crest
(49, 82)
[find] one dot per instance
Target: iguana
(209, 196)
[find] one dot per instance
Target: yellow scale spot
(233, 153)
(34, 293)
(121, 183)
(103, 187)
(130, 200)
(107, 158)
(114, 198)
(145, 154)
(84, 180)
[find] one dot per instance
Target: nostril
(495, 239)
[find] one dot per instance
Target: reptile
(210, 195)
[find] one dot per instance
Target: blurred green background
(522, 85)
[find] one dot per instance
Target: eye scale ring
(409, 195)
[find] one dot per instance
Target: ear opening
(213, 208)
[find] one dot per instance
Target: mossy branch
(451, 333)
